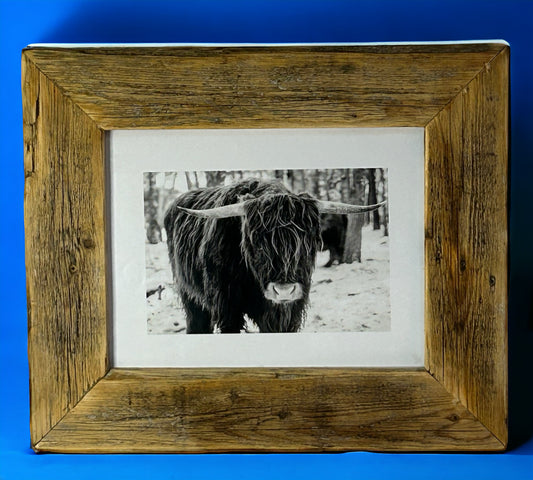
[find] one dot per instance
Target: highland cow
(246, 249)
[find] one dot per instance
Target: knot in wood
(88, 242)
(462, 265)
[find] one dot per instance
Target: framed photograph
(292, 248)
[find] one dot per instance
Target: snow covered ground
(344, 298)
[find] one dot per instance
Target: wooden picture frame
(457, 92)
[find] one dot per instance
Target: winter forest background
(351, 295)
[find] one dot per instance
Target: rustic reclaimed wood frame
(458, 93)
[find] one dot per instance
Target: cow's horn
(234, 210)
(338, 207)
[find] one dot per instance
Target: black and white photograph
(267, 251)
(267, 247)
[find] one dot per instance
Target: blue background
(24, 21)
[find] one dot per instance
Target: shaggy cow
(248, 248)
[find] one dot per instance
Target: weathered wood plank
(65, 250)
(458, 91)
(286, 410)
(466, 245)
(266, 87)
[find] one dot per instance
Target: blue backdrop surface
(25, 21)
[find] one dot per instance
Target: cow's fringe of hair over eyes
(281, 236)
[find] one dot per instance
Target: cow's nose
(283, 292)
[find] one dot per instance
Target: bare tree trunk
(290, 179)
(345, 186)
(164, 193)
(352, 243)
(189, 183)
(315, 179)
(372, 197)
(303, 180)
(151, 201)
(385, 194)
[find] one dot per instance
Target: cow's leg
(336, 253)
(231, 323)
(198, 319)
(330, 261)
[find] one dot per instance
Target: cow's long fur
(221, 267)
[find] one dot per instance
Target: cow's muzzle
(283, 292)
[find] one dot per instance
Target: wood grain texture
(466, 245)
(261, 410)
(65, 251)
(458, 92)
(267, 87)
